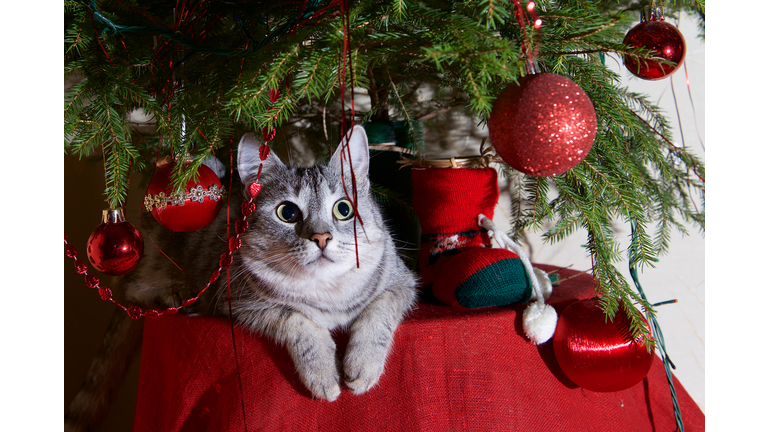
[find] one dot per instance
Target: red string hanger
(524, 23)
(346, 131)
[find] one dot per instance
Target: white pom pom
(539, 322)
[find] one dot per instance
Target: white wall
(679, 274)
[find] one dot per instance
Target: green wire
(657, 334)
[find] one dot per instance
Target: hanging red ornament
(663, 38)
(544, 126)
(598, 354)
(115, 247)
(254, 189)
(196, 206)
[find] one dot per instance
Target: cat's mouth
(323, 258)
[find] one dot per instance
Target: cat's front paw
(363, 368)
(317, 365)
(327, 388)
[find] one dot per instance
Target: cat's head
(305, 224)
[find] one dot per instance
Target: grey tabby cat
(296, 276)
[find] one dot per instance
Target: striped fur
(283, 284)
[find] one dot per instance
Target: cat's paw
(318, 366)
(327, 388)
(363, 368)
(322, 379)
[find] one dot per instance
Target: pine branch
(465, 51)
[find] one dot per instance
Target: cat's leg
(313, 352)
(371, 337)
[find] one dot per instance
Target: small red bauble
(195, 207)
(115, 247)
(660, 36)
(544, 126)
(598, 354)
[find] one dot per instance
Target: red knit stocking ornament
(456, 261)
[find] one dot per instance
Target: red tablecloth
(450, 370)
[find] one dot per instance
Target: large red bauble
(596, 353)
(115, 247)
(544, 126)
(660, 36)
(196, 206)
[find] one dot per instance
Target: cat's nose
(321, 239)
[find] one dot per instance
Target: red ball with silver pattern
(191, 209)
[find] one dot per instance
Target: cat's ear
(354, 148)
(215, 164)
(248, 159)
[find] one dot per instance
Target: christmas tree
(204, 73)
(187, 80)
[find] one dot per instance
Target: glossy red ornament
(115, 247)
(598, 354)
(195, 207)
(544, 126)
(660, 36)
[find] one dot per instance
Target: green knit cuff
(501, 283)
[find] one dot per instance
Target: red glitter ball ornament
(115, 247)
(598, 354)
(195, 207)
(659, 36)
(544, 126)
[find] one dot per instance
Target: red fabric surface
(450, 370)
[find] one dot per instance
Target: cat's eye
(342, 210)
(288, 212)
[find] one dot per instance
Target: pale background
(679, 275)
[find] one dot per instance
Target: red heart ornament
(253, 189)
(268, 134)
(598, 354)
(264, 151)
